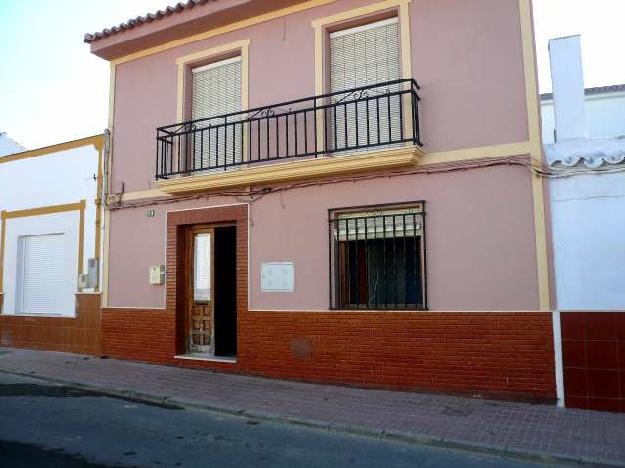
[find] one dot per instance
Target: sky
(53, 90)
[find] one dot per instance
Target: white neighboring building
(587, 197)
(588, 187)
(8, 146)
(605, 111)
(50, 227)
(588, 219)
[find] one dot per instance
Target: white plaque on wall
(277, 277)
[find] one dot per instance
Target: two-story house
(330, 190)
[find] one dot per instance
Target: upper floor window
(378, 257)
(216, 92)
(362, 56)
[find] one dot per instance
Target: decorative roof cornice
(140, 20)
(591, 153)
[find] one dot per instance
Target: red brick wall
(488, 353)
(593, 355)
(80, 334)
(478, 352)
(138, 334)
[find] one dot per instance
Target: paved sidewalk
(517, 429)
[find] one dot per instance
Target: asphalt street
(46, 425)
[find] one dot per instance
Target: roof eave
(135, 35)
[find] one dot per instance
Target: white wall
(605, 114)
(58, 223)
(588, 215)
(8, 146)
(53, 179)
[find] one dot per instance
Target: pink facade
(480, 220)
(465, 55)
(477, 219)
(473, 95)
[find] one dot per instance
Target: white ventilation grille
(43, 276)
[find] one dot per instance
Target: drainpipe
(569, 102)
(557, 349)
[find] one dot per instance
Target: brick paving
(517, 428)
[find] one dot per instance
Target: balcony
(365, 128)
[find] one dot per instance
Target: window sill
(378, 310)
(207, 358)
(62, 316)
(296, 170)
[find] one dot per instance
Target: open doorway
(211, 315)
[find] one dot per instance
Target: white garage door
(42, 277)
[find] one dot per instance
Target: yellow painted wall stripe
(40, 211)
(533, 119)
(96, 140)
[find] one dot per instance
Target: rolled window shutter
(43, 275)
(216, 92)
(385, 224)
(363, 56)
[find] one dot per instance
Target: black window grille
(377, 258)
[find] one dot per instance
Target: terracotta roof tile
(139, 20)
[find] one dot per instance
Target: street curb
(362, 431)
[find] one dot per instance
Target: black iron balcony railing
(384, 115)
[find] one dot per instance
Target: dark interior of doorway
(225, 291)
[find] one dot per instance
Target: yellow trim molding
(39, 211)
(188, 60)
(534, 124)
(223, 29)
(479, 152)
(96, 140)
(143, 194)
(43, 210)
(296, 170)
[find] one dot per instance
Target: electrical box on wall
(157, 274)
(93, 273)
(90, 279)
(82, 281)
(277, 277)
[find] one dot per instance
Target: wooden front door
(200, 290)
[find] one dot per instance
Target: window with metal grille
(377, 258)
(216, 90)
(363, 56)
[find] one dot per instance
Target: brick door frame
(177, 223)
